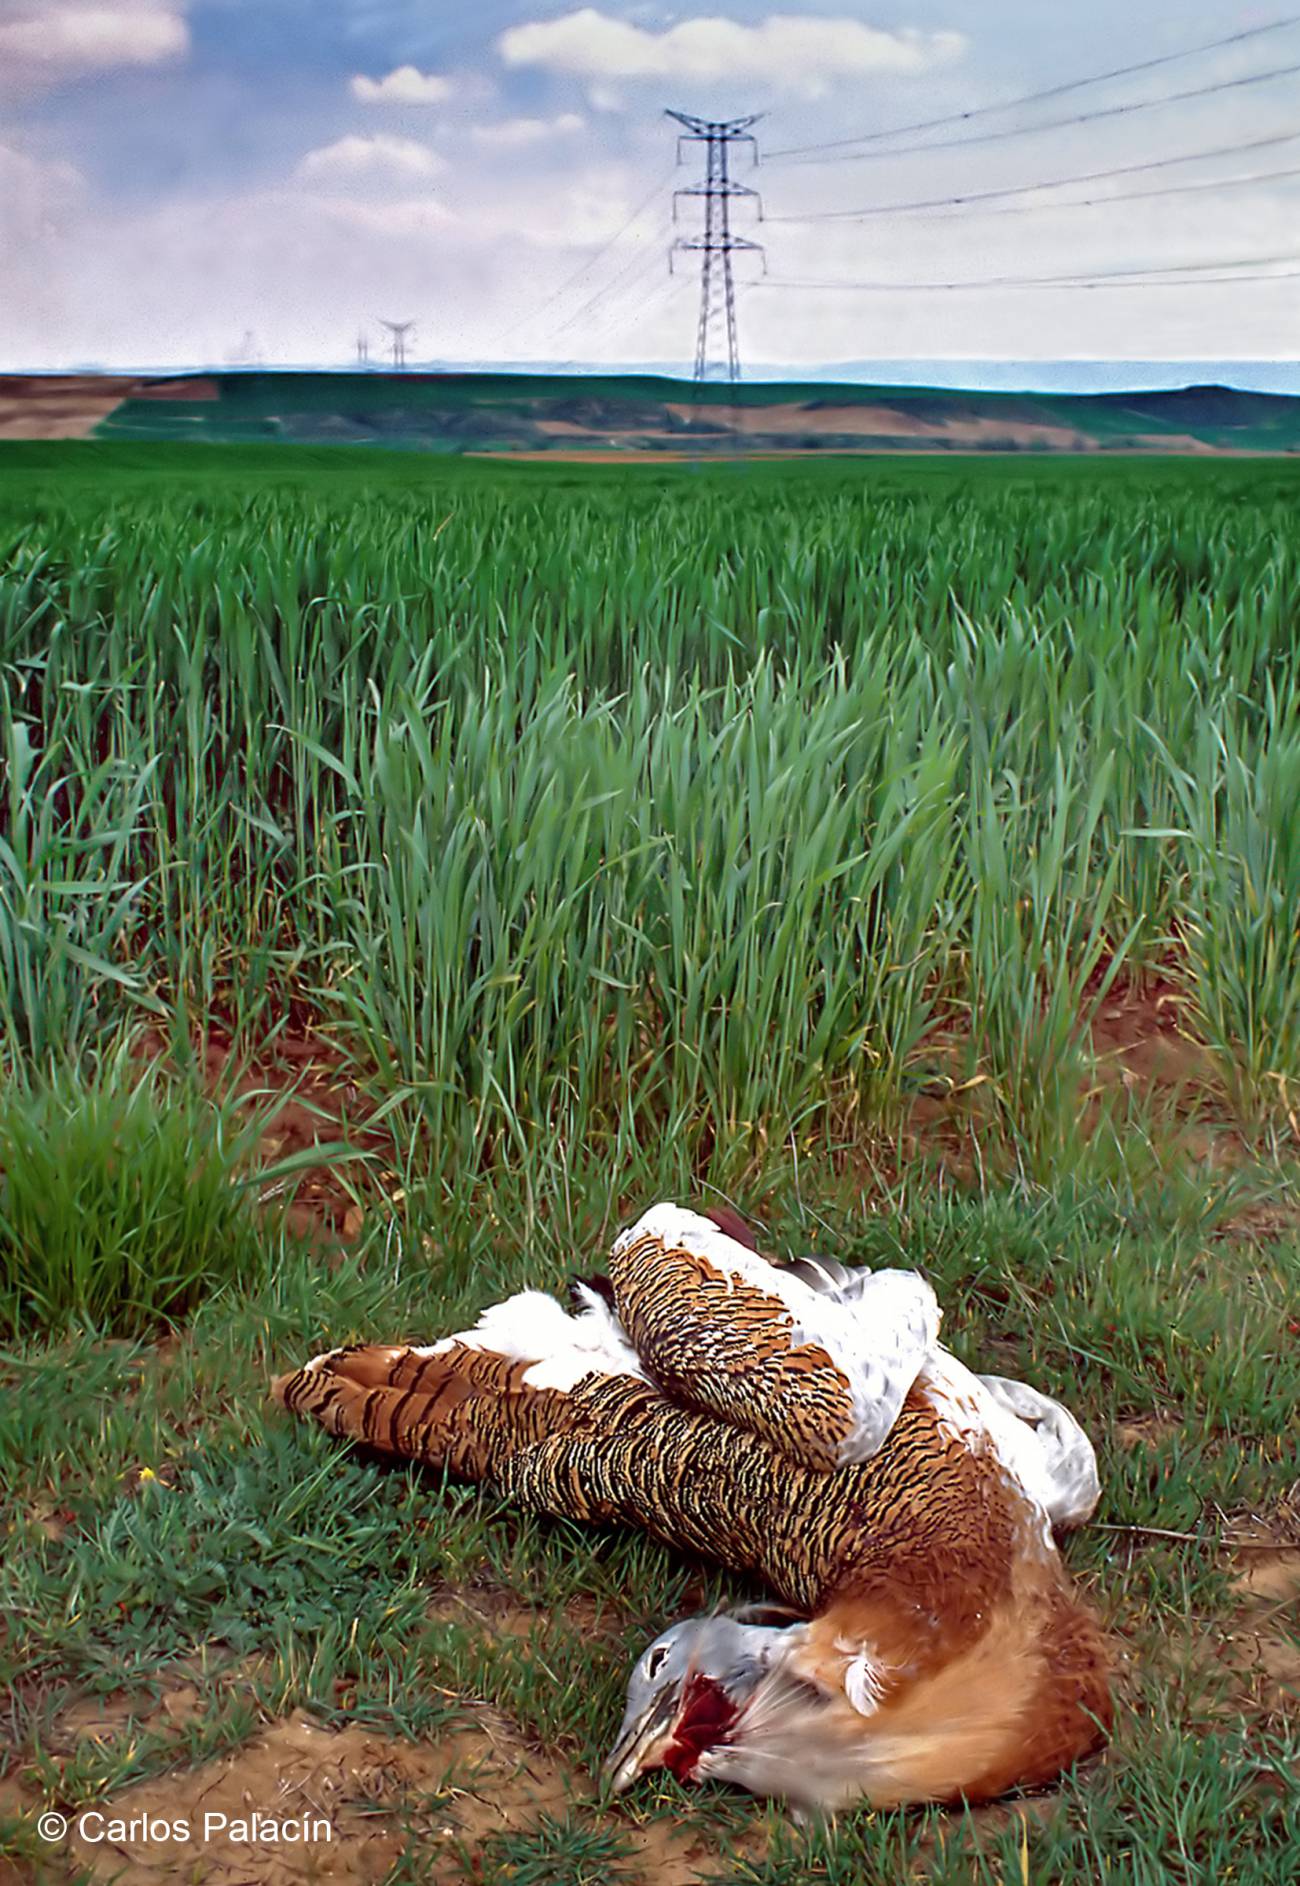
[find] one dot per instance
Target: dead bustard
(801, 1423)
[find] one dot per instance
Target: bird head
(689, 1689)
(790, 1708)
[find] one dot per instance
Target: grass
(700, 853)
(126, 1195)
(558, 1848)
(851, 791)
(122, 1200)
(172, 1526)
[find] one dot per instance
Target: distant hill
(642, 417)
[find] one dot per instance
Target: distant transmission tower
(399, 331)
(717, 244)
(363, 350)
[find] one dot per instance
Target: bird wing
(818, 1369)
(603, 1418)
(471, 1401)
(1038, 1441)
(554, 1411)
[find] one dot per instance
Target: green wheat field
(409, 871)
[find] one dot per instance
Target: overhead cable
(1050, 183)
(1144, 276)
(1142, 196)
(1055, 124)
(585, 267)
(1050, 91)
(640, 263)
(1076, 286)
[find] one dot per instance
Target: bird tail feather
(454, 1407)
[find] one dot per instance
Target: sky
(190, 182)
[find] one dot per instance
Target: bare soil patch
(59, 406)
(1181, 442)
(1139, 1039)
(1263, 1639)
(105, 1718)
(301, 1803)
(883, 422)
(318, 1102)
(197, 389)
(71, 406)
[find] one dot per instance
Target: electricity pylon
(399, 331)
(717, 244)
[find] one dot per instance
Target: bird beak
(643, 1742)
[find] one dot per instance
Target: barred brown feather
(723, 1347)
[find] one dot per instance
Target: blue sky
(188, 181)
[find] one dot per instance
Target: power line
(1051, 183)
(641, 263)
(718, 189)
(1141, 196)
(615, 318)
(1051, 91)
(1055, 124)
(1203, 281)
(614, 323)
(1075, 285)
(1146, 276)
(585, 267)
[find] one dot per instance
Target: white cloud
(394, 217)
(802, 53)
(47, 43)
(36, 198)
(511, 133)
(405, 85)
(42, 211)
(25, 177)
(377, 159)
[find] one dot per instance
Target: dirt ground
(59, 406)
(71, 405)
(871, 422)
(301, 1803)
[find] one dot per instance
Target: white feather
(563, 1349)
(1071, 1485)
(864, 1682)
(1053, 1464)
